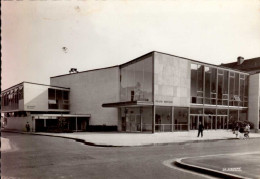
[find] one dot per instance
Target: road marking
(169, 163)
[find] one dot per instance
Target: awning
(54, 116)
(128, 104)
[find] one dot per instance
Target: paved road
(50, 157)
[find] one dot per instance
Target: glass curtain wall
(136, 81)
(222, 87)
(197, 87)
(10, 99)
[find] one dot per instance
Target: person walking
(201, 128)
(247, 130)
(27, 127)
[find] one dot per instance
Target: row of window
(218, 87)
(12, 97)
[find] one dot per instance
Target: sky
(46, 38)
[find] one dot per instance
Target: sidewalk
(117, 139)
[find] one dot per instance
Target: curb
(207, 171)
(104, 145)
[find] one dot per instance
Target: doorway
(222, 122)
(133, 123)
(194, 121)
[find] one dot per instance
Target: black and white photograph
(128, 89)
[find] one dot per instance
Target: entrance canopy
(54, 116)
(128, 104)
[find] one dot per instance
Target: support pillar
(153, 120)
(76, 123)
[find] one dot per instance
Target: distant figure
(201, 128)
(27, 127)
(236, 130)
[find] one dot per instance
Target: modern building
(156, 92)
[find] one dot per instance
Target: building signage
(30, 107)
(165, 102)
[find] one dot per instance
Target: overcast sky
(98, 34)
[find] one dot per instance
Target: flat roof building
(156, 92)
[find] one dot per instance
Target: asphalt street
(34, 156)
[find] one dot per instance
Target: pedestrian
(236, 130)
(27, 127)
(247, 130)
(201, 128)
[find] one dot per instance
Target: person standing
(236, 130)
(201, 128)
(27, 127)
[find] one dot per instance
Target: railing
(163, 127)
(180, 127)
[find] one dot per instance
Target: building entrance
(222, 122)
(194, 121)
(209, 121)
(133, 123)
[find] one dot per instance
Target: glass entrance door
(194, 121)
(222, 122)
(133, 123)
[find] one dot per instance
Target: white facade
(89, 90)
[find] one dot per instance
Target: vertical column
(141, 119)
(44, 122)
(172, 118)
(189, 119)
(153, 120)
(76, 123)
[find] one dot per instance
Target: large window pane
(163, 119)
(139, 81)
(123, 78)
(220, 86)
(193, 89)
(207, 84)
(148, 79)
(231, 88)
(136, 81)
(180, 119)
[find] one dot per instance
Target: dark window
(51, 94)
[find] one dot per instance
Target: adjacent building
(156, 92)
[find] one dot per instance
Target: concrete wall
(254, 99)
(35, 97)
(89, 90)
(171, 80)
(18, 123)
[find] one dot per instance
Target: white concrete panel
(18, 123)
(172, 80)
(35, 97)
(89, 90)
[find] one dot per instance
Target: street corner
(237, 165)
